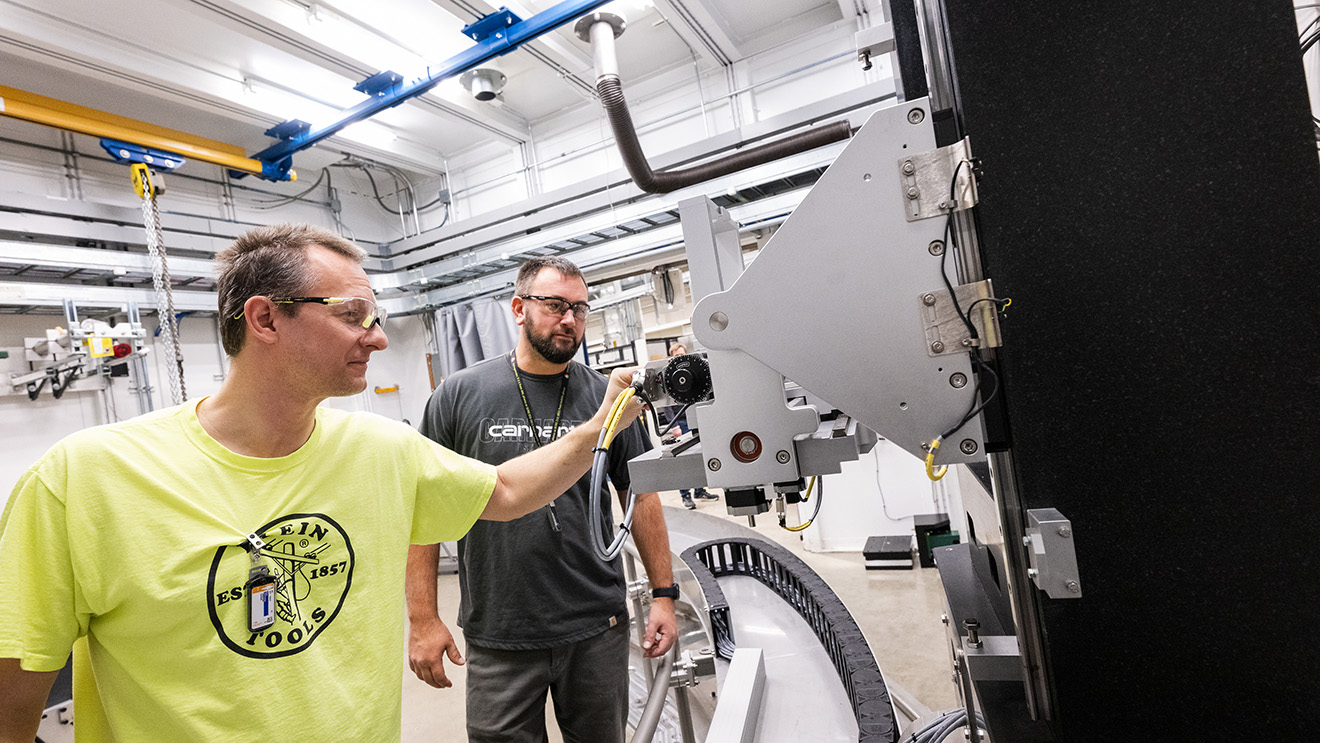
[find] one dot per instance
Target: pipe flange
(583, 26)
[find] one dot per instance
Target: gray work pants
(588, 681)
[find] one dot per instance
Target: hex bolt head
(936, 247)
(1026, 541)
(1073, 587)
(714, 465)
(909, 168)
(928, 299)
(937, 347)
(958, 380)
(912, 193)
(968, 446)
(916, 116)
(1065, 532)
(782, 457)
(1032, 572)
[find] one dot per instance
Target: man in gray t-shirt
(539, 610)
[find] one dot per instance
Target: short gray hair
(269, 262)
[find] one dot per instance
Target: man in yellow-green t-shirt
(236, 564)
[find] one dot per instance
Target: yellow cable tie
(930, 462)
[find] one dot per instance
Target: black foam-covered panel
(1151, 202)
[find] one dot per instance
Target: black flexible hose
(625, 134)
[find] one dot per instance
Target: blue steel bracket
(128, 153)
(287, 130)
(492, 25)
(497, 34)
(380, 83)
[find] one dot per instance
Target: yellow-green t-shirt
(131, 535)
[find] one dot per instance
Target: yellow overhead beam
(50, 112)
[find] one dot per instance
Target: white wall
(877, 496)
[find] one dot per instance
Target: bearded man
(540, 611)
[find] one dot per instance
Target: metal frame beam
(53, 295)
(50, 112)
(59, 256)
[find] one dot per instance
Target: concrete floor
(898, 610)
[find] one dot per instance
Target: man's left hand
(661, 629)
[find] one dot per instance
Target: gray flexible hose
(655, 701)
(596, 525)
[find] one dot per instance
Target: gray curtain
(469, 332)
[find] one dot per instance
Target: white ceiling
(230, 69)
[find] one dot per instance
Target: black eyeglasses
(559, 305)
(355, 311)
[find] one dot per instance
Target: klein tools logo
(311, 561)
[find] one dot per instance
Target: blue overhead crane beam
(496, 35)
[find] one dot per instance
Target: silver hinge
(945, 331)
(928, 185)
(1053, 558)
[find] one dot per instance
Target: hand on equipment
(661, 629)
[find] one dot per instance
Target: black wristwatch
(665, 593)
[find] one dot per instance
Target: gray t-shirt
(524, 585)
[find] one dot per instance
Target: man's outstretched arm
(22, 698)
(532, 480)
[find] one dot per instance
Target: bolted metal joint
(639, 589)
(690, 669)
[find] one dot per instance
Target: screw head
(937, 347)
(1026, 541)
(912, 193)
(909, 168)
(958, 380)
(1065, 532)
(936, 247)
(714, 465)
(968, 446)
(916, 116)
(967, 342)
(928, 299)
(1032, 572)
(782, 457)
(1073, 587)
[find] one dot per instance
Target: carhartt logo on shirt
(311, 560)
(517, 430)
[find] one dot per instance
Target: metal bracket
(639, 589)
(1049, 541)
(380, 83)
(945, 331)
(690, 669)
(493, 24)
(927, 181)
(126, 153)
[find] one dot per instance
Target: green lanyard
(531, 421)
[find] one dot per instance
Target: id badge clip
(260, 588)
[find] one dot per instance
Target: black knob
(687, 379)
